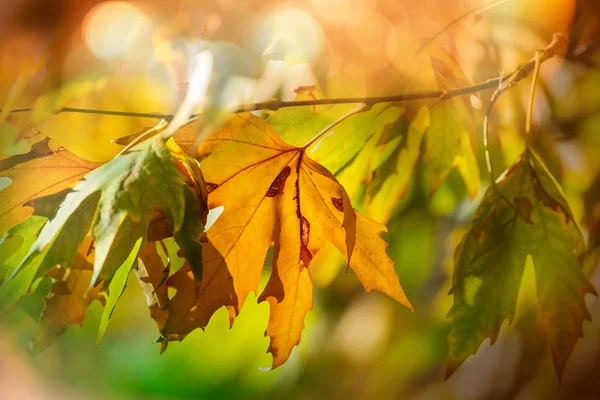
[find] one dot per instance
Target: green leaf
(297, 125)
(16, 242)
(391, 187)
(115, 203)
(68, 299)
(449, 146)
(14, 246)
(374, 150)
(11, 142)
(527, 214)
(187, 237)
(116, 288)
(40, 172)
(448, 142)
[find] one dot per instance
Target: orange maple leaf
(273, 194)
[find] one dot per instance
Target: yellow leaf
(68, 299)
(273, 194)
(151, 273)
(35, 175)
(89, 136)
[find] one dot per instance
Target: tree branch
(557, 46)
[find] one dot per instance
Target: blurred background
(138, 56)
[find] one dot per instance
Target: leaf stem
(558, 45)
(360, 108)
(162, 124)
(486, 145)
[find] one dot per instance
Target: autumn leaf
(152, 275)
(272, 193)
(90, 136)
(38, 173)
(448, 142)
(592, 215)
(17, 137)
(374, 151)
(15, 244)
(346, 141)
(526, 214)
(68, 299)
(114, 202)
(394, 185)
(117, 286)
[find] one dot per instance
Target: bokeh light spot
(112, 28)
(295, 34)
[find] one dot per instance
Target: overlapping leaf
(118, 283)
(40, 172)
(17, 137)
(346, 140)
(68, 299)
(393, 186)
(152, 274)
(273, 193)
(448, 142)
(15, 244)
(115, 204)
(526, 214)
(373, 151)
(89, 136)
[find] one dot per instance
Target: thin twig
(557, 46)
(275, 105)
(162, 124)
(486, 146)
(469, 14)
(361, 107)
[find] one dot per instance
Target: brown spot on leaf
(305, 256)
(338, 203)
(304, 231)
(211, 186)
(279, 182)
(549, 201)
(524, 207)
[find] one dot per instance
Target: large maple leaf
(273, 194)
(525, 214)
